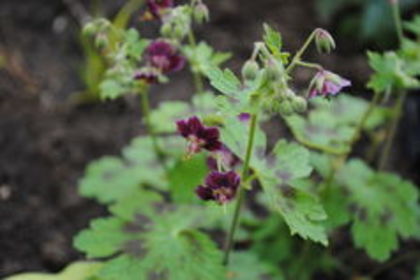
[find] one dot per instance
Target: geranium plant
(206, 194)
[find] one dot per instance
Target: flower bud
(101, 41)
(274, 71)
(289, 94)
(285, 108)
(324, 41)
(250, 70)
(166, 30)
(179, 32)
(89, 29)
(299, 104)
(201, 13)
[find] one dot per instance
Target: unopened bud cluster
(98, 29)
(275, 97)
(177, 21)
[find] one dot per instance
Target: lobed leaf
(150, 239)
(331, 126)
(383, 207)
(301, 210)
(390, 73)
(111, 178)
(225, 81)
(74, 271)
(164, 117)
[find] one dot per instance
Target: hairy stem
(198, 80)
(241, 195)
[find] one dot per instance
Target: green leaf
(104, 238)
(331, 125)
(188, 255)
(390, 73)
(163, 119)
(185, 176)
(134, 45)
(410, 52)
(383, 208)
(247, 266)
(414, 25)
(75, 271)
(301, 210)
(203, 57)
(150, 238)
(111, 89)
(271, 240)
(225, 81)
(111, 178)
(272, 39)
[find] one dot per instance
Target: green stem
(401, 96)
(198, 80)
(241, 195)
(397, 112)
(296, 59)
(145, 105)
(310, 65)
(396, 13)
(326, 149)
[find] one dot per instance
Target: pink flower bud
(324, 41)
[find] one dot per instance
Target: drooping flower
(224, 157)
(156, 9)
(199, 136)
(324, 41)
(326, 83)
(164, 56)
(219, 186)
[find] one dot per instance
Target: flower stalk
(298, 56)
(241, 194)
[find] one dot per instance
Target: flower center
(195, 144)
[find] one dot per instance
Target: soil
(46, 140)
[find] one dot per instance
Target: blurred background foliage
(363, 20)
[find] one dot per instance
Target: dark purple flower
(219, 186)
(148, 75)
(164, 56)
(199, 136)
(228, 160)
(157, 8)
(326, 83)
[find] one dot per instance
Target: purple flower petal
(244, 117)
(163, 56)
(204, 193)
(198, 135)
(223, 186)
